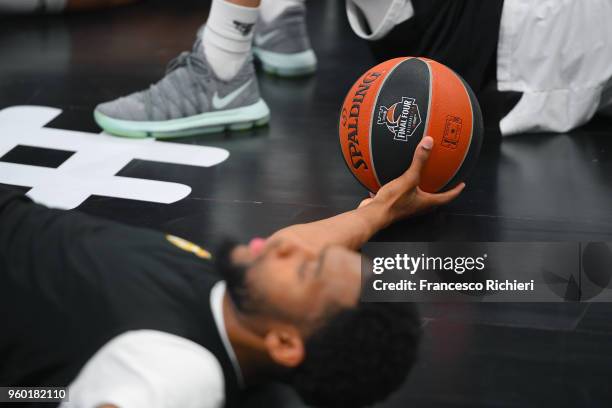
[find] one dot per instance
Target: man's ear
(285, 346)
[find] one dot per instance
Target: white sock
(270, 9)
(228, 36)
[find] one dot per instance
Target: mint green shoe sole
(243, 118)
(287, 65)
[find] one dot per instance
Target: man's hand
(402, 197)
(398, 199)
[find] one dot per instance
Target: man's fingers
(444, 198)
(365, 202)
(420, 157)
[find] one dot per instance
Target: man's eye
(308, 269)
(311, 268)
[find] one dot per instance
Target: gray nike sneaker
(189, 100)
(283, 47)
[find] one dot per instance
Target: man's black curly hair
(359, 356)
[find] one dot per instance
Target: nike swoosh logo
(262, 39)
(220, 103)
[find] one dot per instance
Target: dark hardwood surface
(527, 188)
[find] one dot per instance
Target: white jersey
(557, 53)
(153, 369)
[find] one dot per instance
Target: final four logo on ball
(402, 118)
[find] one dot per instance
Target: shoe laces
(190, 61)
(196, 68)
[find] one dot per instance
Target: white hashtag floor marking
(92, 169)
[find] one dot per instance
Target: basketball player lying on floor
(131, 317)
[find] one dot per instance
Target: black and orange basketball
(393, 106)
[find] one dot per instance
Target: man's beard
(235, 276)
